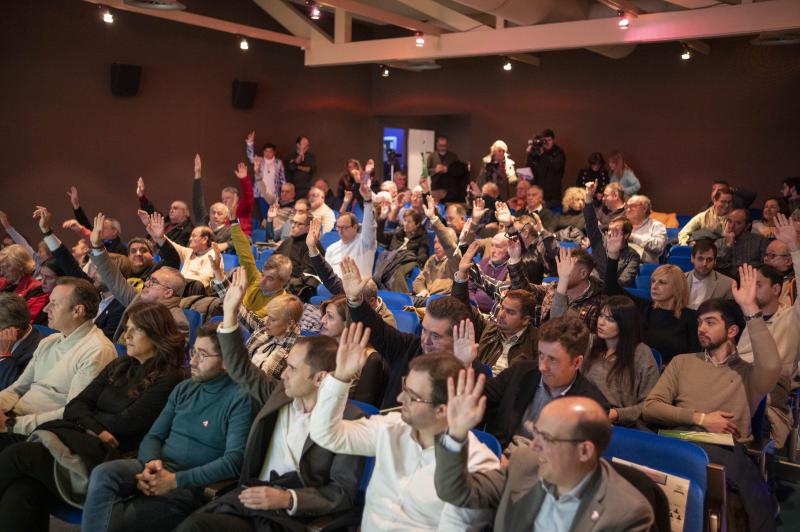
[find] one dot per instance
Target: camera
(537, 141)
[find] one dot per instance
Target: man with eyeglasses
(779, 256)
(649, 236)
(401, 494)
(711, 222)
(739, 245)
(302, 284)
(197, 440)
(352, 243)
(559, 482)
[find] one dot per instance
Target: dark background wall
(733, 114)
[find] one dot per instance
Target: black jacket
(548, 170)
(629, 259)
(510, 393)
(417, 242)
(12, 366)
(302, 284)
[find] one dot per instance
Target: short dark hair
(569, 331)
(526, 300)
(52, 264)
(83, 293)
(792, 182)
(209, 330)
(721, 182)
(301, 137)
(627, 226)
(206, 232)
(771, 273)
(439, 366)
(320, 352)
(268, 146)
(583, 257)
(721, 191)
(448, 308)
(703, 245)
(414, 215)
(728, 309)
(14, 312)
(140, 240)
(596, 158)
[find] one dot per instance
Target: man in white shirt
(316, 200)
(195, 263)
(649, 237)
(401, 493)
(704, 281)
(352, 243)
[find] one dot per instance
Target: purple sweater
(499, 272)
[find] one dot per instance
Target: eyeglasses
(153, 281)
(340, 227)
(413, 397)
(202, 355)
(773, 256)
(298, 223)
(547, 438)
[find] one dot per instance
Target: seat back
(122, 350)
(329, 238)
(489, 441)
(672, 456)
(229, 262)
(369, 410)
(262, 258)
(657, 356)
(395, 300)
(684, 263)
(46, 331)
(259, 235)
(323, 292)
(407, 322)
(195, 321)
(638, 292)
(647, 268)
(643, 282)
(680, 251)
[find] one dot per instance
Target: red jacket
(245, 209)
(30, 290)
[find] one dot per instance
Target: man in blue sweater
(197, 440)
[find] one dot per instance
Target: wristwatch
(758, 314)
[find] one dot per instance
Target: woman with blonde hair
(668, 325)
(571, 214)
(499, 168)
(620, 172)
(16, 276)
(270, 345)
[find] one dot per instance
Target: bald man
(560, 482)
(779, 256)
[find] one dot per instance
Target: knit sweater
(60, 369)
(691, 383)
(708, 219)
(254, 299)
(193, 266)
(201, 432)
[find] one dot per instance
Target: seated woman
(621, 173)
(571, 215)
(620, 365)
(106, 420)
(269, 346)
(370, 384)
(350, 181)
(667, 324)
(411, 238)
(766, 225)
(16, 276)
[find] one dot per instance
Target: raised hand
(272, 213)
(313, 235)
(515, 250)
(73, 225)
(466, 263)
(198, 166)
(215, 259)
(370, 166)
(430, 208)
(591, 188)
(464, 347)
(537, 224)
(144, 217)
(786, 232)
(155, 227)
(478, 209)
(462, 238)
(96, 239)
(251, 137)
(348, 197)
(352, 353)
(4, 220)
(73, 197)
(503, 213)
(728, 234)
(45, 218)
(565, 264)
(745, 293)
(466, 403)
(614, 241)
(241, 170)
(233, 297)
(140, 187)
(352, 283)
(365, 190)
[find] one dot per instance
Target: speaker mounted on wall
(125, 79)
(243, 95)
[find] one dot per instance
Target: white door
(420, 145)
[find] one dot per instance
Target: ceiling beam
(193, 19)
(382, 15)
(342, 26)
(449, 18)
(720, 21)
(288, 17)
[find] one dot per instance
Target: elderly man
(779, 256)
(216, 217)
(294, 247)
(316, 200)
(710, 222)
(360, 245)
(111, 231)
(179, 227)
(534, 204)
(649, 236)
(613, 204)
(557, 482)
(738, 244)
(494, 266)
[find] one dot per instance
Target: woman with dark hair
(594, 173)
(766, 225)
(619, 364)
(106, 420)
(350, 181)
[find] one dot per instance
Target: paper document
(675, 488)
(715, 438)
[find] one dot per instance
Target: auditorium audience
(739, 245)
(318, 209)
(14, 237)
(620, 172)
(360, 245)
(178, 227)
(111, 232)
(18, 339)
(294, 247)
(534, 204)
(270, 175)
(703, 281)
(569, 223)
(779, 257)
(628, 262)
(215, 217)
(649, 236)
(493, 265)
(742, 198)
(711, 222)
(410, 241)
(436, 276)
(612, 206)
(790, 189)
(268, 350)
(520, 198)
(401, 493)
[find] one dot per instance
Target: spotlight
(243, 44)
(384, 71)
(686, 54)
(108, 16)
(314, 11)
(624, 21)
(420, 39)
(507, 66)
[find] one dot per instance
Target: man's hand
(370, 166)
(73, 225)
(464, 347)
(160, 483)
(144, 217)
(8, 337)
(613, 415)
(241, 170)
(565, 264)
(44, 216)
(365, 190)
(614, 241)
(313, 235)
(257, 160)
(352, 282)
(537, 224)
(478, 209)
(786, 232)
(503, 214)
(515, 250)
(720, 422)
(233, 297)
(108, 438)
(73, 197)
(462, 238)
(728, 234)
(466, 263)
(465, 403)
(265, 498)
(745, 293)
(4, 221)
(352, 353)
(430, 208)
(348, 197)
(251, 137)
(272, 213)
(215, 259)
(140, 187)
(591, 188)
(156, 228)
(95, 239)
(198, 166)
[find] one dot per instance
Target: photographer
(546, 159)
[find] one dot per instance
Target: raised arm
(369, 229)
(318, 263)
(77, 210)
(108, 271)
(198, 197)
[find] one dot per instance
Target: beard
(709, 344)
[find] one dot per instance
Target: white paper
(675, 488)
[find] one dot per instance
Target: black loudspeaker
(125, 79)
(244, 94)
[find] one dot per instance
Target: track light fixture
(507, 66)
(686, 52)
(243, 44)
(624, 20)
(420, 39)
(313, 10)
(107, 15)
(384, 71)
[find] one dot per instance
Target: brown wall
(733, 114)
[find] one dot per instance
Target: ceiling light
(108, 16)
(686, 54)
(507, 66)
(314, 11)
(384, 71)
(624, 20)
(243, 44)
(420, 41)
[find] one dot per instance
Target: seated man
(401, 494)
(738, 244)
(717, 391)
(196, 260)
(534, 204)
(197, 440)
(790, 190)
(287, 479)
(62, 365)
(179, 225)
(704, 282)
(649, 236)
(711, 221)
(493, 266)
(436, 277)
(517, 395)
(613, 203)
(360, 245)
(628, 265)
(215, 217)
(316, 200)
(111, 232)
(302, 283)
(779, 257)
(742, 198)
(18, 339)
(559, 481)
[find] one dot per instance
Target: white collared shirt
(508, 342)
(288, 439)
